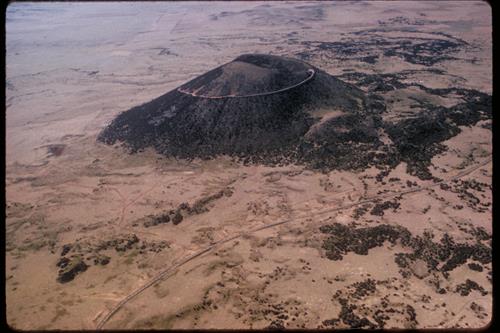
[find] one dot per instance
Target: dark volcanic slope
(249, 75)
(275, 110)
(179, 124)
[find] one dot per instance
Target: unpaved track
(311, 75)
(180, 263)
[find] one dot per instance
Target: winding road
(161, 275)
(311, 73)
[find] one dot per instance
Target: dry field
(362, 248)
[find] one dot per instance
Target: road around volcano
(307, 79)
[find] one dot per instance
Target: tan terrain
(283, 246)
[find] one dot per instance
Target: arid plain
(270, 246)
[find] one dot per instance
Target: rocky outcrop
(78, 256)
(185, 209)
(70, 268)
(425, 257)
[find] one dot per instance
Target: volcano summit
(260, 108)
(250, 76)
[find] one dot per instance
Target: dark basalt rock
(412, 316)
(379, 208)
(357, 313)
(271, 129)
(364, 288)
(442, 256)
(177, 218)
(70, 269)
(463, 189)
(360, 211)
(181, 125)
(418, 139)
(344, 239)
(75, 263)
(276, 325)
(413, 49)
(465, 288)
(125, 244)
(155, 220)
(62, 262)
(331, 322)
(475, 267)
(185, 209)
(462, 252)
(66, 248)
(101, 260)
(120, 244)
(265, 109)
(349, 318)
